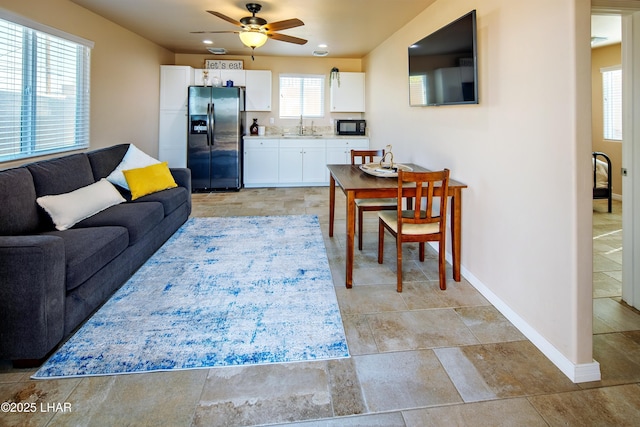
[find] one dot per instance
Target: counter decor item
(253, 129)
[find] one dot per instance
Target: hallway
(616, 326)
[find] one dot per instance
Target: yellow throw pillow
(150, 179)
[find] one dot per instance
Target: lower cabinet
(339, 151)
(261, 161)
(302, 162)
(292, 162)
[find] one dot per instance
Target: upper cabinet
(236, 76)
(258, 90)
(174, 81)
(257, 85)
(348, 95)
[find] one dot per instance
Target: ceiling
(605, 30)
(349, 28)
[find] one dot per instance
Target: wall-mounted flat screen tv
(443, 65)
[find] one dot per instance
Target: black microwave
(351, 127)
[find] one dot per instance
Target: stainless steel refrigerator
(215, 137)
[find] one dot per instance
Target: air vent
(217, 50)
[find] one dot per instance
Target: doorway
(630, 160)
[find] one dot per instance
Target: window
(612, 102)
(418, 89)
(301, 95)
(44, 89)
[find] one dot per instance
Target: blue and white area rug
(221, 292)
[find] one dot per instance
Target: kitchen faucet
(301, 131)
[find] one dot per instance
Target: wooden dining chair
(422, 224)
(359, 157)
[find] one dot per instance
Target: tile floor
(421, 358)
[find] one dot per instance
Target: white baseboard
(577, 373)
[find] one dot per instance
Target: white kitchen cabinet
(288, 162)
(172, 127)
(261, 159)
(172, 137)
(258, 90)
(302, 162)
(236, 76)
(198, 76)
(348, 95)
(339, 150)
(174, 81)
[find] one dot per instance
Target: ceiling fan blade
(285, 38)
(225, 17)
(283, 25)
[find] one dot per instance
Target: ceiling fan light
(253, 39)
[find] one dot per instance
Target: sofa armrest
(32, 292)
(182, 176)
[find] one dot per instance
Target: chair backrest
(365, 156)
(425, 184)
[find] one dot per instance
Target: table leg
(456, 238)
(351, 228)
(332, 203)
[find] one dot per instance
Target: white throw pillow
(68, 209)
(133, 159)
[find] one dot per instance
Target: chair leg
(442, 272)
(360, 232)
(421, 251)
(399, 262)
(380, 241)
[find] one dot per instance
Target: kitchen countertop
(328, 136)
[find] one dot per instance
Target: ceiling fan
(255, 30)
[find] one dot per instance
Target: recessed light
(320, 53)
(207, 42)
(322, 45)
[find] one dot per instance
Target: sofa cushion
(105, 160)
(149, 180)
(137, 218)
(61, 175)
(87, 250)
(18, 208)
(135, 158)
(68, 209)
(57, 176)
(171, 199)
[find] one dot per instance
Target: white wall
(523, 152)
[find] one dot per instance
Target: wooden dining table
(357, 184)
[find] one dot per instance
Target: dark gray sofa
(51, 281)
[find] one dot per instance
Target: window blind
(612, 102)
(44, 92)
(418, 89)
(301, 95)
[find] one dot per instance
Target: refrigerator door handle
(211, 125)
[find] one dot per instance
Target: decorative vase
(254, 127)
